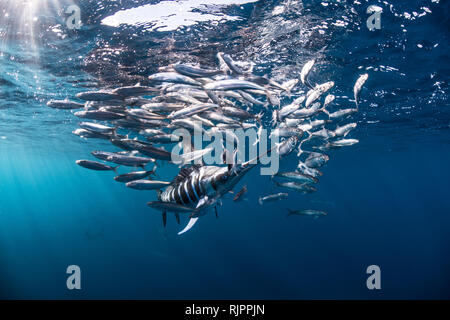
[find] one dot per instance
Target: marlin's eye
(224, 177)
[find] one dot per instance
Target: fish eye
(224, 177)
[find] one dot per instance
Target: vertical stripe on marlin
(177, 196)
(186, 186)
(190, 189)
(182, 193)
(194, 187)
(213, 183)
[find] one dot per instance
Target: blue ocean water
(386, 197)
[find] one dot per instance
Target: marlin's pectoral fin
(189, 225)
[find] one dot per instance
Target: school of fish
(141, 122)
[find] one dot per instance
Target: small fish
(132, 176)
(64, 104)
(272, 197)
(322, 134)
(95, 165)
(99, 115)
(328, 99)
(151, 132)
(195, 72)
(130, 161)
(186, 112)
(232, 84)
(239, 196)
(286, 147)
(192, 156)
(290, 108)
(96, 127)
(144, 114)
(162, 106)
(286, 132)
(307, 212)
(307, 112)
(98, 96)
(299, 187)
(305, 71)
(309, 171)
(341, 113)
(231, 64)
(164, 138)
(344, 142)
(83, 133)
(344, 130)
(358, 85)
(102, 155)
(316, 160)
(317, 92)
(174, 78)
(137, 90)
(297, 177)
(147, 184)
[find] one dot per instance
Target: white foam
(170, 15)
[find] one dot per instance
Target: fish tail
(115, 168)
(260, 200)
(290, 212)
(308, 84)
(258, 117)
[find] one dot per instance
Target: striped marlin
(201, 186)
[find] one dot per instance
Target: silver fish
(98, 96)
(137, 90)
(232, 84)
(99, 115)
(272, 197)
(299, 187)
(358, 85)
(146, 184)
(135, 175)
(174, 78)
(64, 104)
(194, 109)
(95, 165)
(344, 130)
(342, 113)
(195, 72)
(305, 71)
(297, 177)
(344, 142)
(316, 160)
(96, 127)
(307, 212)
(130, 161)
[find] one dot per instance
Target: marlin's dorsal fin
(189, 225)
(184, 172)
